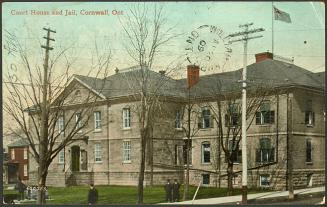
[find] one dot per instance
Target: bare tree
(144, 28)
(41, 100)
(226, 106)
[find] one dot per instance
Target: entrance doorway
(75, 155)
(12, 173)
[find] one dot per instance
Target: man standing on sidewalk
(168, 189)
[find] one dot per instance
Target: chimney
(192, 75)
(263, 56)
(162, 72)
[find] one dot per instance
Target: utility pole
(245, 39)
(44, 121)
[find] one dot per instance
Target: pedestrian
(176, 186)
(21, 187)
(93, 195)
(168, 189)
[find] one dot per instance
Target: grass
(126, 194)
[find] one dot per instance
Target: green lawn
(125, 194)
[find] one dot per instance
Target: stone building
(286, 130)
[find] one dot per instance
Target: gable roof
(22, 142)
(270, 73)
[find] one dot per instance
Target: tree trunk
(41, 186)
(142, 167)
(230, 178)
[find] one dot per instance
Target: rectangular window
(309, 118)
(61, 157)
(308, 151)
(25, 153)
(205, 179)
(236, 155)
(97, 153)
(126, 118)
(25, 170)
(97, 120)
(232, 116)
(265, 115)
(178, 119)
(266, 153)
(205, 120)
(205, 152)
(12, 154)
(78, 119)
(61, 124)
(264, 181)
(185, 152)
(126, 151)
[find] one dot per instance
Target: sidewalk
(257, 196)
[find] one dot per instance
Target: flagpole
(272, 29)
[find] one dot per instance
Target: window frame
(126, 117)
(203, 152)
(268, 180)
(184, 152)
(61, 157)
(25, 170)
(61, 124)
(204, 178)
(25, 153)
(178, 119)
(267, 153)
(265, 115)
(205, 117)
(127, 151)
(309, 118)
(97, 153)
(97, 121)
(78, 120)
(238, 158)
(12, 153)
(308, 140)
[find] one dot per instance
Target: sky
(303, 38)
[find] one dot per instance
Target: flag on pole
(282, 16)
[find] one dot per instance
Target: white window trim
(95, 153)
(126, 117)
(61, 157)
(203, 119)
(25, 170)
(130, 147)
(260, 184)
(25, 153)
(202, 152)
(311, 155)
(12, 153)
(203, 179)
(79, 124)
(61, 124)
(179, 120)
(95, 121)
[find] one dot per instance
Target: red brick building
(17, 165)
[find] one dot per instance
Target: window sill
(79, 132)
(264, 186)
(97, 130)
(178, 129)
(264, 125)
(127, 162)
(237, 163)
(190, 165)
(309, 163)
(206, 129)
(98, 162)
(126, 128)
(310, 125)
(61, 163)
(205, 163)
